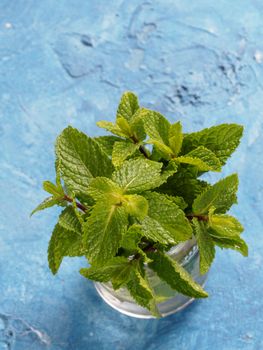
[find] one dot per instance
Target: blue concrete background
(67, 62)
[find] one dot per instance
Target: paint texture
(67, 62)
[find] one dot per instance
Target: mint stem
(141, 148)
(79, 205)
(143, 151)
(149, 248)
(199, 217)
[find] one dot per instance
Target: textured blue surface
(67, 62)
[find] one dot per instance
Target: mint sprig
(130, 196)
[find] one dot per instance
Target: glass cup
(168, 300)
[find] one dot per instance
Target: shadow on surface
(97, 325)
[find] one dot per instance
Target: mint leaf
(130, 243)
(179, 201)
(231, 242)
(221, 139)
(225, 231)
(58, 176)
(156, 154)
(222, 196)
(124, 125)
(128, 120)
(56, 190)
(183, 183)
(154, 231)
(140, 290)
(101, 186)
(132, 237)
(205, 245)
(175, 137)
(166, 222)
(128, 105)
(202, 158)
(81, 159)
(103, 231)
(117, 270)
(48, 203)
(136, 205)
(166, 138)
(113, 128)
(164, 151)
(137, 126)
(106, 143)
(122, 150)
(157, 128)
(225, 225)
(175, 275)
(170, 169)
(65, 242)
(138, 175)
(57, 197)
(70, 220)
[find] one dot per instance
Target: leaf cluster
(129, 197)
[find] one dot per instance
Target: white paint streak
(8, 25)
(258, 56)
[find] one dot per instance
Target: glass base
(168, 300)
(178, 303)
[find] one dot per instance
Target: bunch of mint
(130, 197)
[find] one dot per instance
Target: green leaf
(179, 201)
(81, 159)
(113, 128)
(56, 190)
(154, 231)
(136, 205)
(156, 154)
(166, 222)
(157, 128)
(226, 225)
(101, 187)
(231, 242)
(138, 175)
(65, 242)
(225, 231)
(117, 270)
(57, 197)
(183, 183)
(122, 150)
(221, 139)
(137, 126)
(222, 196)
(205, 245)
(169, 170)
(124, 125)
(175, 275)
(58, 175)
(132, 237)
(128, 105)
(202, 158)
(175, 138)
(140, 290)
(103, 231)
(106, 143)
(69, 220)
(48, 203)
(164, 150)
